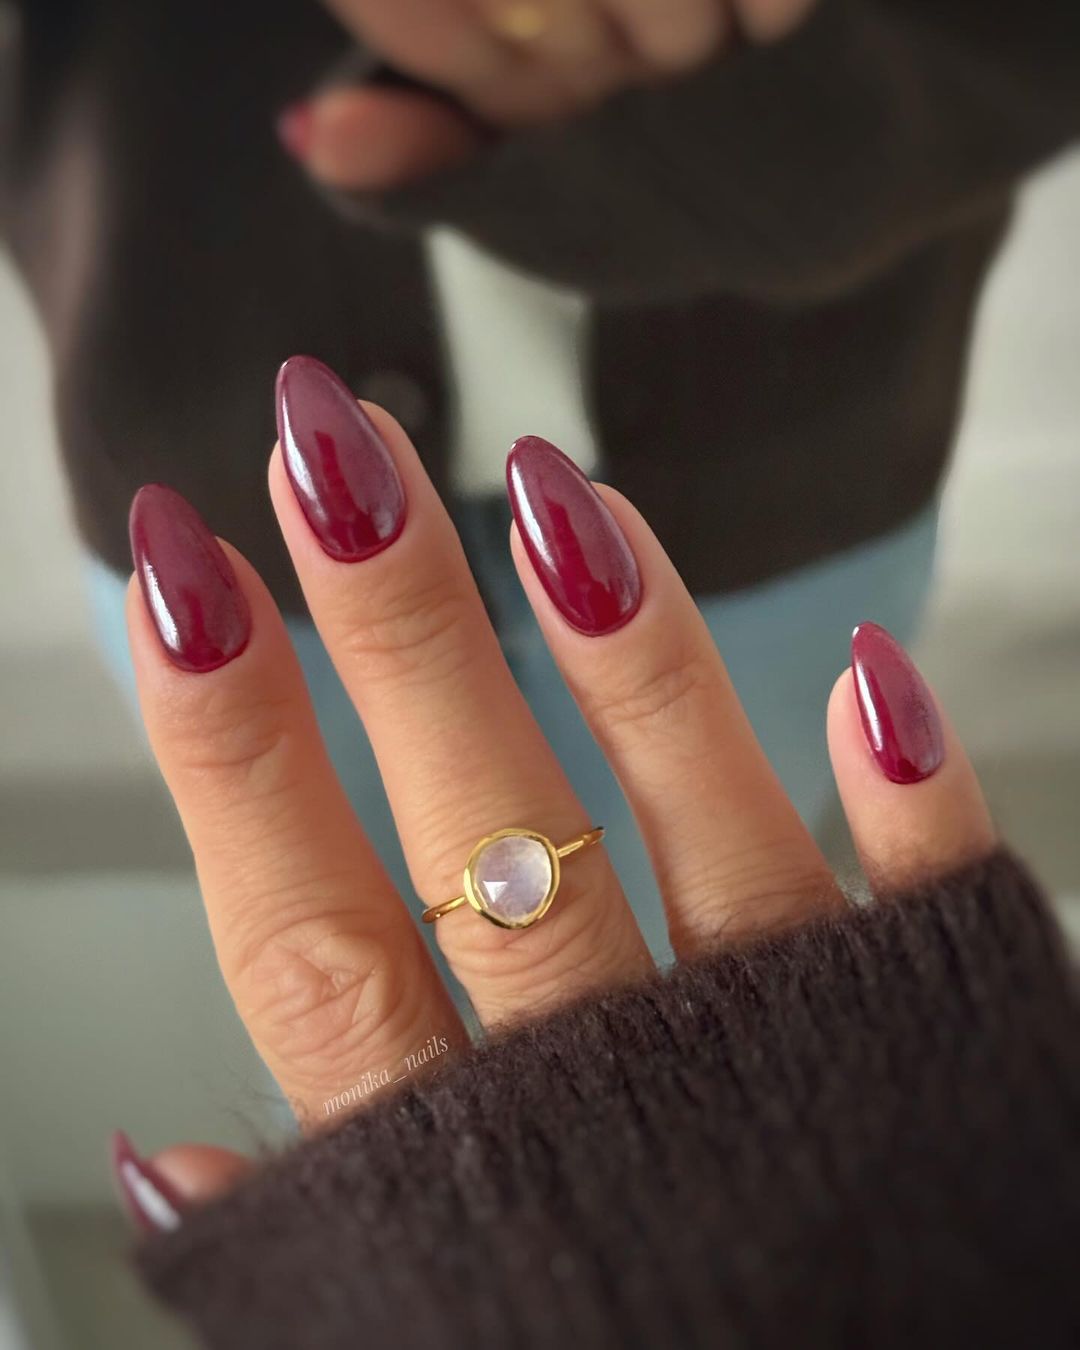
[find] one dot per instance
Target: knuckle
(670, 693)
(766, 887)
(249, 741)
(320, 996)
(416, 632)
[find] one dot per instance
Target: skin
(583, 52)
(322, 956)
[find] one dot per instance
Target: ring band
(512, 876)
(522, 20)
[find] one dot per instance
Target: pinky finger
(910, 795)
(157, 1192)
(375, 139)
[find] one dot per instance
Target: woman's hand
(323, 958)
(507, 63)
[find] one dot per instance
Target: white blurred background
(111, 1009)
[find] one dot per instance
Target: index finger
(318, 951)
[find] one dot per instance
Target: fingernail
(294, 127)
(152, 1202)
(190, 589)
(578, 551)
(340, 468)
(898, 713)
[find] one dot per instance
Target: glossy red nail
(153, 1203)
(579, 553)
(294, 128)
(340, 468)
(190, 589)
(898, 713)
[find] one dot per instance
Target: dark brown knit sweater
(783, 255)
(863, 1134)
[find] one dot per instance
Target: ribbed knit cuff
(861, 1133)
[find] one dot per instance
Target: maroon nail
(153, 1203)
(190, 589)
(898, 714)
(341, 471)
(294, 127)
(579, 553)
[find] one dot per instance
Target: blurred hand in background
(495, 64)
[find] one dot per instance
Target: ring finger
(460, 755)
(569, 52)
(560, 30)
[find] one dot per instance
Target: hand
(322, 957)
(508, 63)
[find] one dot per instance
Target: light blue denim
(784, 641)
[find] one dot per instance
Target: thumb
(372, 139)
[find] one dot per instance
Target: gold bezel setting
(472, 889)
(472, 895)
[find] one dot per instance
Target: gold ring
(522, 20)
(512, 876)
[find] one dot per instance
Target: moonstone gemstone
(512, 877)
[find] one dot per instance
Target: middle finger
(459, 752)
(568, 55)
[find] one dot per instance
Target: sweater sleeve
(787, 172)
(861, 1133)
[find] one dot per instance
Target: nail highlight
(578, 551)
(152, 1202)
(191, 592)
(899, 717)
(340, 468)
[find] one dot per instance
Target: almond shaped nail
(153, 1203)
(573, 541)
(191, 591)
(339, 466)
(898, 713)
